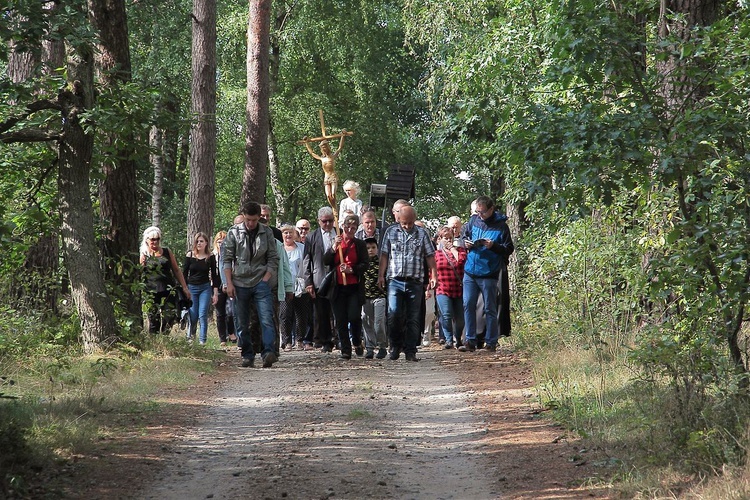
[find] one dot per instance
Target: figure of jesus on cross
(327, 159)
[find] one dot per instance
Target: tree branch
(30, 109)
(30, 135)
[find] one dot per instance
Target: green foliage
(584, 276)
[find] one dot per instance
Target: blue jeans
(404, 307)
(488, 288)
(201, 295)
(451, 317)
(262, 297)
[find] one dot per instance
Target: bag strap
(453, 268)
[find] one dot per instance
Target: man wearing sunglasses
(316, 245)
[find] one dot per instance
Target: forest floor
(452, 426)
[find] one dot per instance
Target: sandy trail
(315, 426)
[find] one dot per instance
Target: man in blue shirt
(487, 239)
(404, 251)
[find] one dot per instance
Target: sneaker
(346, 355)
(412, 357)
(359, 351)
(326, 348)
(269, 359)
(247, 362)
(394, 355)
(370, 354)
(490, 348)
(307, 347)
(448, 346)
(382, 353)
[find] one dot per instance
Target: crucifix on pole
(328, 162)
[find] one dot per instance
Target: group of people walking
(362, 289)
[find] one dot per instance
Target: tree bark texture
(155, 141)
(201, 193)
(273, 171)
(89, 293)
(258, 94)
(118, 192)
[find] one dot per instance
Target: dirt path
(453, 426)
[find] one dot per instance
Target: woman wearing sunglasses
(160, 270)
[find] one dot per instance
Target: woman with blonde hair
(351, 202)
(203, 281)
(160, 270)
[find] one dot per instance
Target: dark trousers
(294, 316)
(323, 334)
(348, 314)
(224, 322)
(162, 312)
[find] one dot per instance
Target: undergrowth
(56, 402)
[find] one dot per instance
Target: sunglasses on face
(154, 239)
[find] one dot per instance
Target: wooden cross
(324, 136)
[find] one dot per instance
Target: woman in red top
(347, 299)
(450, 262)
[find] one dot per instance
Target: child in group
(351, 202)
(373, 311)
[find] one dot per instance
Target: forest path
(452, 426)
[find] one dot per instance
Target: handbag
(327, 284)
(299, 287)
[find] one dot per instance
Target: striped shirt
(406, 252)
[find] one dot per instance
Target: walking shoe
(412, 357)
(448, 346)
(490, 348)
(468, 347)
(247, 362)
(346, 355)
(382, 353)
(307, 347)
(370, 354)
(394, 355)
(359, 351)
(269, 359)
(326, 348)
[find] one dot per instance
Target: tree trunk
(257, 110)
(273, 169)
(118, 193)
(201, 194)
(155, 141)
(93, 304)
